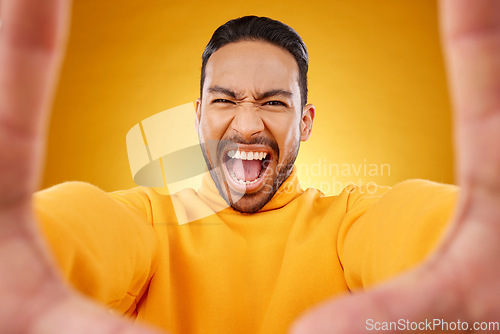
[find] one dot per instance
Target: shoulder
(405, 191)
(421, 191)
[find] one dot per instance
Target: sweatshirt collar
(287, 192)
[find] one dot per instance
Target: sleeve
(386, 235)
(105, 246)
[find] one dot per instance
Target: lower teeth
(242, 182)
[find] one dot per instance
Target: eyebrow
(261, 96)
(219, 89)
(274, 92)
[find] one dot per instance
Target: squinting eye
(222, 101)
(275, 103)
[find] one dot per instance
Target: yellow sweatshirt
(231, 272)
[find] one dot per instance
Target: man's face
(250, 121)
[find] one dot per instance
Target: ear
(306, 123)
(197, 106)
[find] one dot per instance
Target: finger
(33, 300)
(471, 37)
(31, 45)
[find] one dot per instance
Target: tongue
(247, 170)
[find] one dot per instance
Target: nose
(247, 121)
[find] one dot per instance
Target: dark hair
(264, 29)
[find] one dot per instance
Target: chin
(252, 203)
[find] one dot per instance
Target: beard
(213, 152)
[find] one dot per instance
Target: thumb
(79, 316)
(403, 304)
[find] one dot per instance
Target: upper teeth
(247, 155)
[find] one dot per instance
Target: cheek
(214, 125)
(286, 133)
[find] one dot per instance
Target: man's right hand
(33, 297)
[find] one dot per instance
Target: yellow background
(376, 78)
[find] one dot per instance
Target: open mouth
(246, 168)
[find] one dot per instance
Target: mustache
(235, 139)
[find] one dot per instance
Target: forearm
(397, 233)
(104, 247)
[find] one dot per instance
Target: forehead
(252, 65)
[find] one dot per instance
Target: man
(252, 113)
(458, 282)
